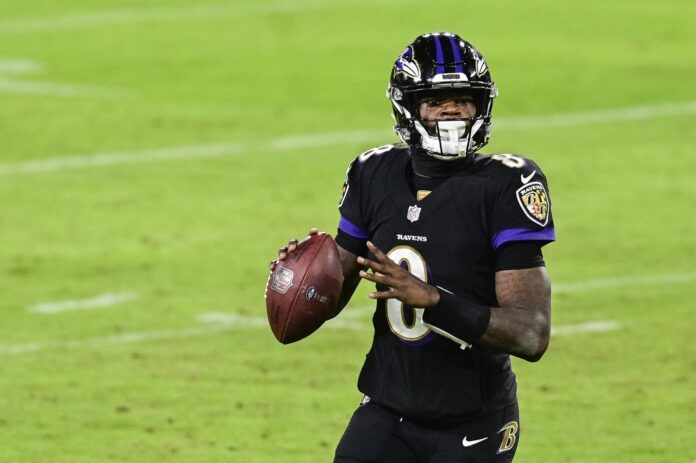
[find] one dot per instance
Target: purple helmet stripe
(457, 55)
(438, 54)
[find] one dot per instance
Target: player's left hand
(402, 284)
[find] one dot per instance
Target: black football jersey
(449, 239)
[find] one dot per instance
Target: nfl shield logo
(413, 213)
(281, 280)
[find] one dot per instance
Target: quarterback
(452, 240)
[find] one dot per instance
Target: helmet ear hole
(433, 63)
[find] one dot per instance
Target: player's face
(445, 107)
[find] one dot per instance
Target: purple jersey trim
(523, 234)
(353, 230)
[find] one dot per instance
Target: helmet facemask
(450, 139)
(446, 138)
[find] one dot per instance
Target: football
(302, 291)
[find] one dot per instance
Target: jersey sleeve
(516, 255)
(521, 209)
(351, 207)
(353, 231)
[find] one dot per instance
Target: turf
(193, 236)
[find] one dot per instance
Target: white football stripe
(306, 141)
(96, 302)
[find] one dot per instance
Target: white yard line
(124, 157)
(307, 141)
(17, 85)
(594, 117)
(211, 323)
(246, 320)
(219, 323)
(125, 338)
(318, 140)
(226, 318)
(353, 312)
(62, 90)
(587, 327)
(216, 322)
(603, 283)
(19, 66)
(182, 152)
(96, 302)
(116, 17)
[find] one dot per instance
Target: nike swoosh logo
(469, 443)
(527, 178)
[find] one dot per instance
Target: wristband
(457, 318)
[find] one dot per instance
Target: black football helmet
(434, 63)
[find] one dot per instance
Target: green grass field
(161, 151)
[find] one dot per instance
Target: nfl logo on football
(282, 280)
(413, 213)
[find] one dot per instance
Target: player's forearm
(521, 325)
(520, 332)
(349, 285)
(516, 331)
(350, 277)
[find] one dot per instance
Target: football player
(452, 240)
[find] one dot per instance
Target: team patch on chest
(534, 202)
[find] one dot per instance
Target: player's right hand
(284, 251)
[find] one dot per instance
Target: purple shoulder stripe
(349, 227)
(523, 234)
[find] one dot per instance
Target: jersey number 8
(509, 160)
(416, 329)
